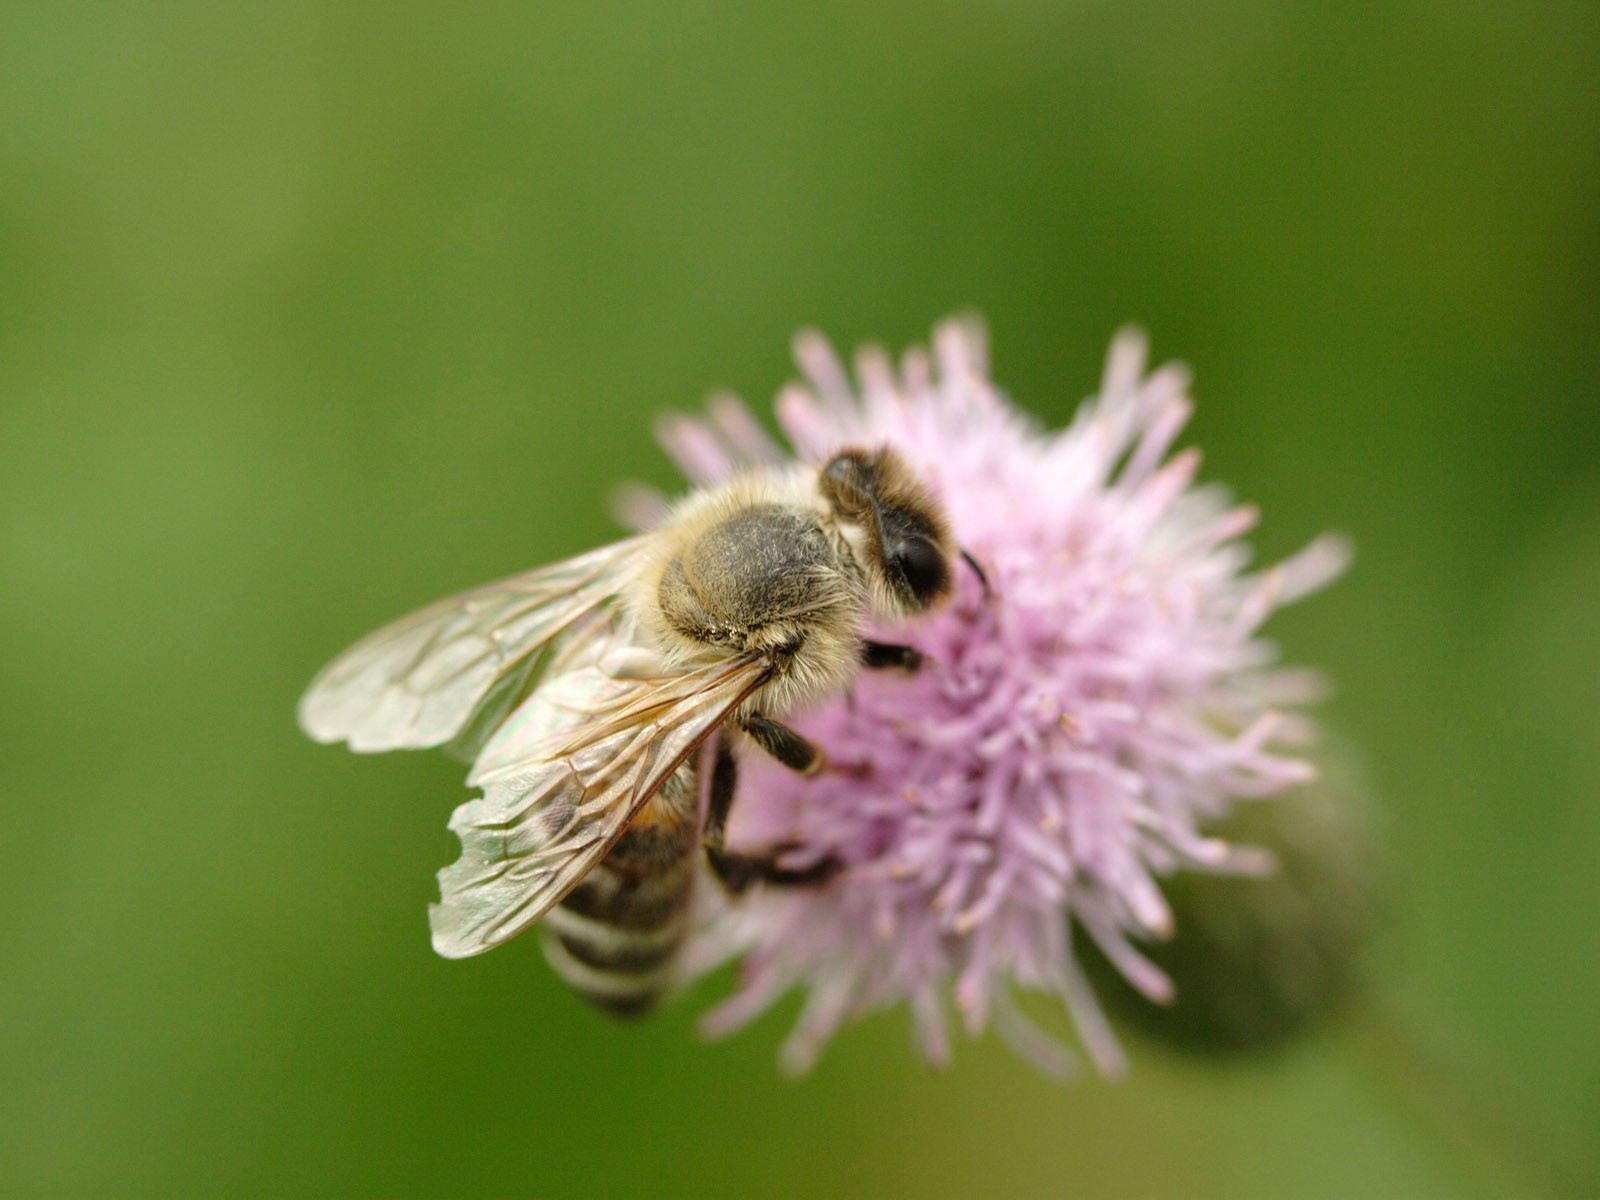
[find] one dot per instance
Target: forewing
(543, 823)
(420, 681)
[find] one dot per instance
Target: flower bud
(1256, 961)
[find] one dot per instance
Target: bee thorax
(761, 577)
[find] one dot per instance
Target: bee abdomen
(616, 936)
(622, 970)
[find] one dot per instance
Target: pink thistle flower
(1069, 737)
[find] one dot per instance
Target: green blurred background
(310, 314)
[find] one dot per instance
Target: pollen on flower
(1075, 727)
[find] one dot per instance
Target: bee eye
(923, 568)
(843, 471)
(847, 484)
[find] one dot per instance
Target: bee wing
(544, 821)
(423, 679)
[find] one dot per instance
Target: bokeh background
(311, 314)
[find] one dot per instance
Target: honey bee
(584, 693)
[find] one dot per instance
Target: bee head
(905, 535)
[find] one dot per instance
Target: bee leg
(882, 655)
(724, 776)
(795, 751)
(738, 871)
(784, 744)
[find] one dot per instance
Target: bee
(584, 692)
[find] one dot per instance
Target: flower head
(1077, 723)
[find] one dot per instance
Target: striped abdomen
(616, 935)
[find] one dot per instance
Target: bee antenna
(966, 556)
